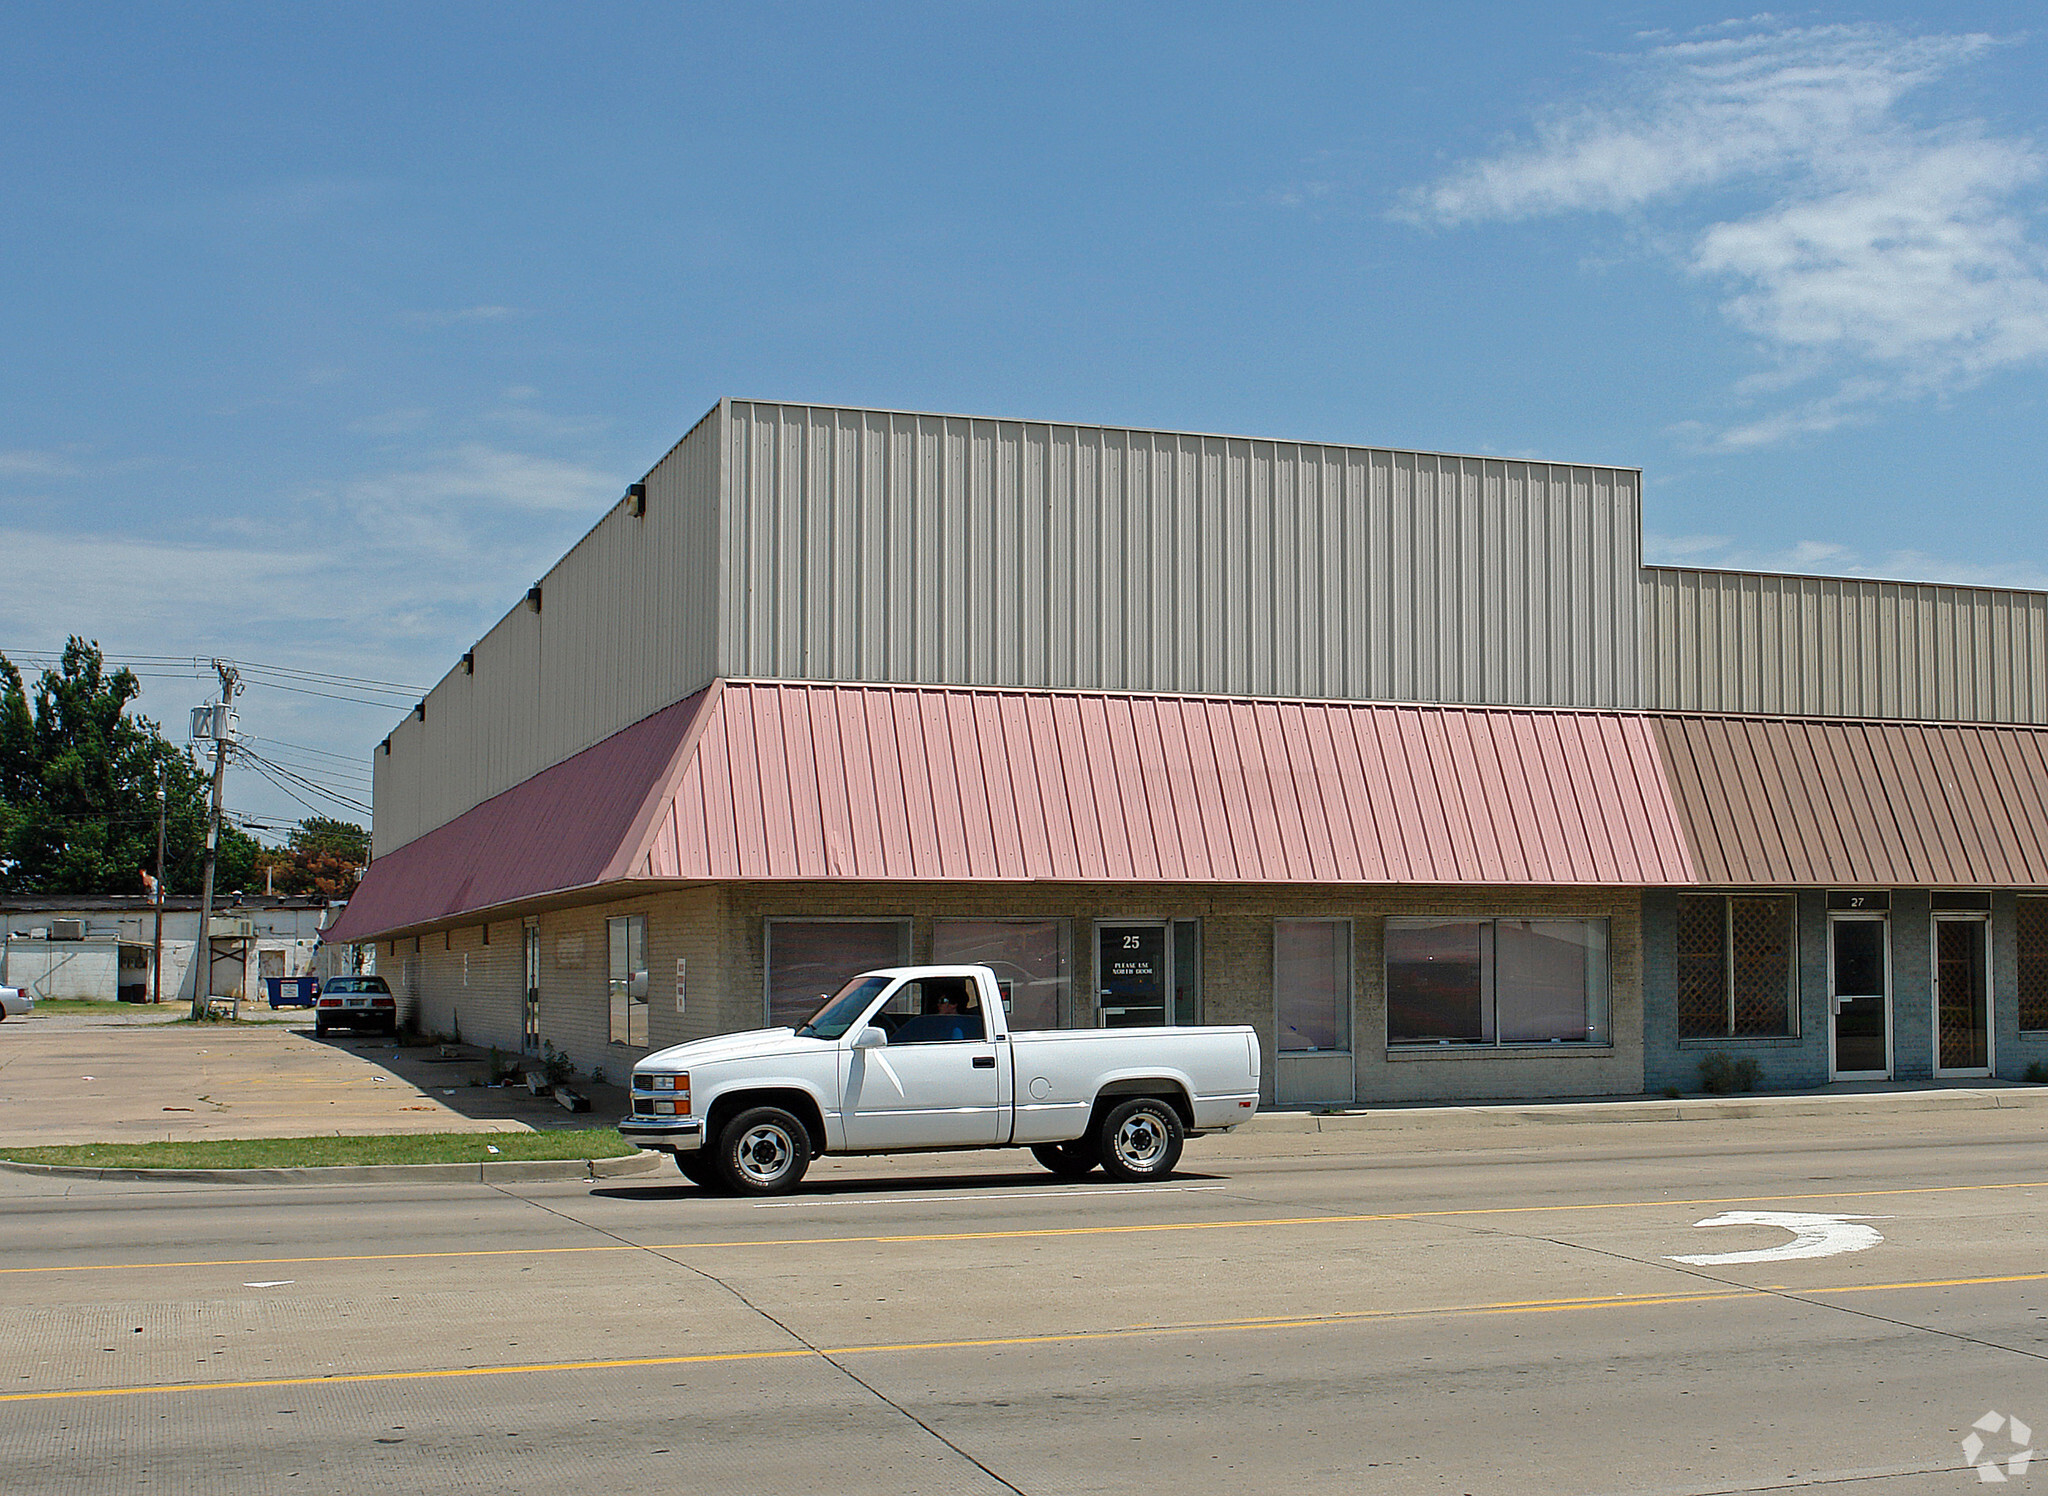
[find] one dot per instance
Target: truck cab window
(934, 1010)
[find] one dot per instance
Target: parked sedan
(15, 1003)
(356, 1002)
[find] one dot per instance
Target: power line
(277, 774)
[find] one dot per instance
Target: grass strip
(320, 1152)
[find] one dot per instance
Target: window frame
(770, 921)
(1489, 969)
(1347, 987)
(1794, 1019)
(1063, 998)
(2023, 1001)
(612, 983)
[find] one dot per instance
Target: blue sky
(328, 327)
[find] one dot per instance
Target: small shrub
(554, 1063)
(498, 1066)
(597, 1076)
(1671, 1093)
(1721, 1076)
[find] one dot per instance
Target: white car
(920, 1058)
(15, 1003)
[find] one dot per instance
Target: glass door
(529, 1034)
(1133, 973)
(1962, 996)
(1859, 992)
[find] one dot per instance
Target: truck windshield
(840, 1011)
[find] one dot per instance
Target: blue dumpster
(292, 992)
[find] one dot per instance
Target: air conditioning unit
(227, 927)
(67, 929)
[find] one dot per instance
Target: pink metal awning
(757, 780)
(884, 783)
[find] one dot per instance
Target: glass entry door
(529, 1029)
(1859, 992)
(1962, 996)
(1133, 973)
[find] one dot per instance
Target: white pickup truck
(920, 1058)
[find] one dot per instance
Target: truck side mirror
(870, 1038)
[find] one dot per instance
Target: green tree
(78, 788)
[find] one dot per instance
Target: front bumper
(665, 1134)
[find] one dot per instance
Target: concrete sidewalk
(1856, 1098)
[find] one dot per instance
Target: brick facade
(720, 933)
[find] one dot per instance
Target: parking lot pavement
(91, 1081)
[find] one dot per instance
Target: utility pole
(221, 729)
(156, 959)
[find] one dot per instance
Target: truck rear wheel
(1140, 1140)
(1073, 1160)
(764, 1151)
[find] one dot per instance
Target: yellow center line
(1014, 1234)
(1065, 1337)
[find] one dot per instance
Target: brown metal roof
(1813, 802)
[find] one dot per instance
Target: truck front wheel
(1068, 1160)
(764, 1151)
(1140, 1140)
(701, 1169)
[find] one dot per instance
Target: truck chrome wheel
(764, 1151)
(1141, 1139)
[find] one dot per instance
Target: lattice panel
(1961, 1010)
(1702, 969)
(2033, 973)
(1760, 938)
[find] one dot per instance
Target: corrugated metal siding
(628, 624)
(880, 546)
(1719, 641)
(1772, 802)
(880, 783)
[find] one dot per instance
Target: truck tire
(764, 1151)
(701, 1169)
(1073, 1160)
(1140, 1140)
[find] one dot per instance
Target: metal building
(1403, 758)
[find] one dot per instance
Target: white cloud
(459, 316)
(22, 464)
(1881, 257)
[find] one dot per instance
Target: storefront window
(1735, 967)
(1312, 984)
(810, 959)
(1497, 981)
(626, 978)
(2033, 972)
(1030, 957)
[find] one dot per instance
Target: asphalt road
(1457, 1309)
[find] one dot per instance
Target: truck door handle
(984, 1062)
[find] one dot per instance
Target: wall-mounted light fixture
(469, 663)
(533, 597)
(421, 709)
(636, 499)
(387, 747)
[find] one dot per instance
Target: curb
(505, 1171)
(1686, 1109)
